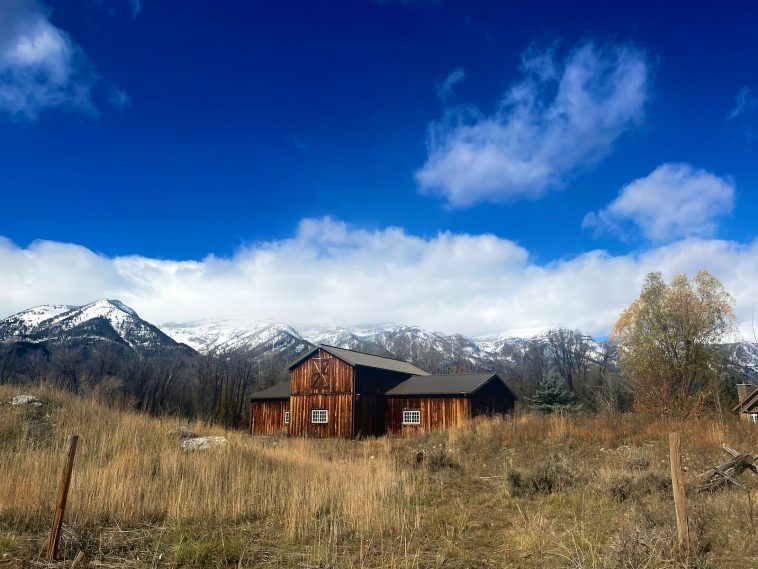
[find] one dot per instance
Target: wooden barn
(428, 402)
(270, 410)
(335, 392)
(748, 403)
(340, 393)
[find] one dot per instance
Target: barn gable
(748, 403)
(361, 359)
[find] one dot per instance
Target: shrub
(551, 478)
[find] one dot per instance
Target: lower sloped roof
(277, 391)
(444, 384)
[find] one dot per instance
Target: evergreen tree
(554, 396)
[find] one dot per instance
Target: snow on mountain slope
(103, 319)
(226, 335)
(27, 320)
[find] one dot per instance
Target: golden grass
(525, 492)
(129, 468)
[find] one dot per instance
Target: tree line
(215, 387)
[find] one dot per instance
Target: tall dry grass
(527, 491)
(130, 469)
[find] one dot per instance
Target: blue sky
(175, 147)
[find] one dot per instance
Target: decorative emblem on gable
(320, 373)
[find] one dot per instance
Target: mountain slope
(102, 320)
(257, 338)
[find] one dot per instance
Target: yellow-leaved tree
(667, 340)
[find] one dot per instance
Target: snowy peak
(27, 320)
(230, 335)
(102, 320)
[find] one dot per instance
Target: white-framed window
(319, 416)
(411, 417)
(286, 417)
(754, 417)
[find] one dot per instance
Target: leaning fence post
(60, 504)
(677, 485)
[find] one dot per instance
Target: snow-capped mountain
(432, 350)
(743, 356)
(109, 320)
(234, 335)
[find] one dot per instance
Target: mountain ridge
(114, 321)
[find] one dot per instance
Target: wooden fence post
(60, 504)
(677, 485)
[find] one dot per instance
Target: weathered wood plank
(267, 417)
(677, 485)
(436, 413)
(60, 504)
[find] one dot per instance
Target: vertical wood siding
(436, 413)
(333, 392)
(267, 417)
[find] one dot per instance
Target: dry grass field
(526, 492)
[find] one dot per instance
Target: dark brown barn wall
(494, 397)
(267, 416)
(335, 395)
(370, 401)
(436, 413)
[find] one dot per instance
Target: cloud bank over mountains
(329, 272)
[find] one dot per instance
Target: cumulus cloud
(328, 272)
(561, 116)
(674, 201)
(445, 88)
(40, 65)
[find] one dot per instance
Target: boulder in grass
(203, 443)
(26, 400)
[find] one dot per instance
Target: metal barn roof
(748, 404)
(448, 384)
(364, 360)
(277, 391)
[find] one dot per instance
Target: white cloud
(329, 272)
(445, 88)
(743, 102)
(561, 116)
(674, 201)
(40, 66)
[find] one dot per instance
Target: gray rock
(26, 400)
(203, 443)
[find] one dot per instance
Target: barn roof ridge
(359, 352)
(363, 359)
